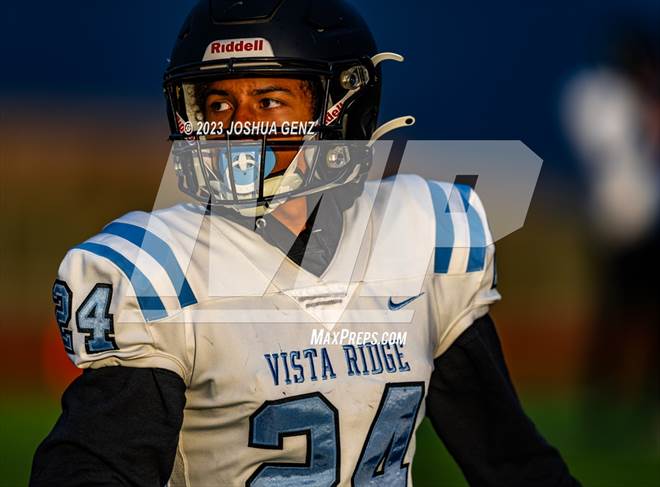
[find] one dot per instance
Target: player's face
(260, 100)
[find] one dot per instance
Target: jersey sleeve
(119, 426)
(463, 280)
(111, 308)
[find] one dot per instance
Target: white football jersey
(292, 379)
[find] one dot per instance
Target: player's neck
(292, 214)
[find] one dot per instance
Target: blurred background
(84, 141)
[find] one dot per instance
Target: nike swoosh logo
(395, 306)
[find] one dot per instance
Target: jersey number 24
(381, 461)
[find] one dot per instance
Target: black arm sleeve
(119, 426)
(475, 411)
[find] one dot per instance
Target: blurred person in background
(613, 120)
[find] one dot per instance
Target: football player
(211, 333)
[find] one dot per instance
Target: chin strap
(386, 56)
(395, 123)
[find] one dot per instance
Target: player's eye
(269, 103)
(219, 106)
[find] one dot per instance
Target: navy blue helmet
(325, 42)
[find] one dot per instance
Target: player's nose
(244, 112)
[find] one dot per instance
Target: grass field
(619, 449)
(615, 448)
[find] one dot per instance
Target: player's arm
(471, 401)
(119, 426)
(474, 409)
(121, 418)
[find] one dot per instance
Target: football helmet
(323, 42)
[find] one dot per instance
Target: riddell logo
(334, 111)
(233, 46)
(237, 48)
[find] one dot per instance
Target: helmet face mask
(223, 40)
(238, 173)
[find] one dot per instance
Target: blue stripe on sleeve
(444, 229)
(161, 252)
(150, 304)
(477, 257)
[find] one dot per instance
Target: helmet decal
(238, 48)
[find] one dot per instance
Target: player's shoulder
(447, 218)
(463, 240)
(145, 253)
(411, 192)
(400, 201)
